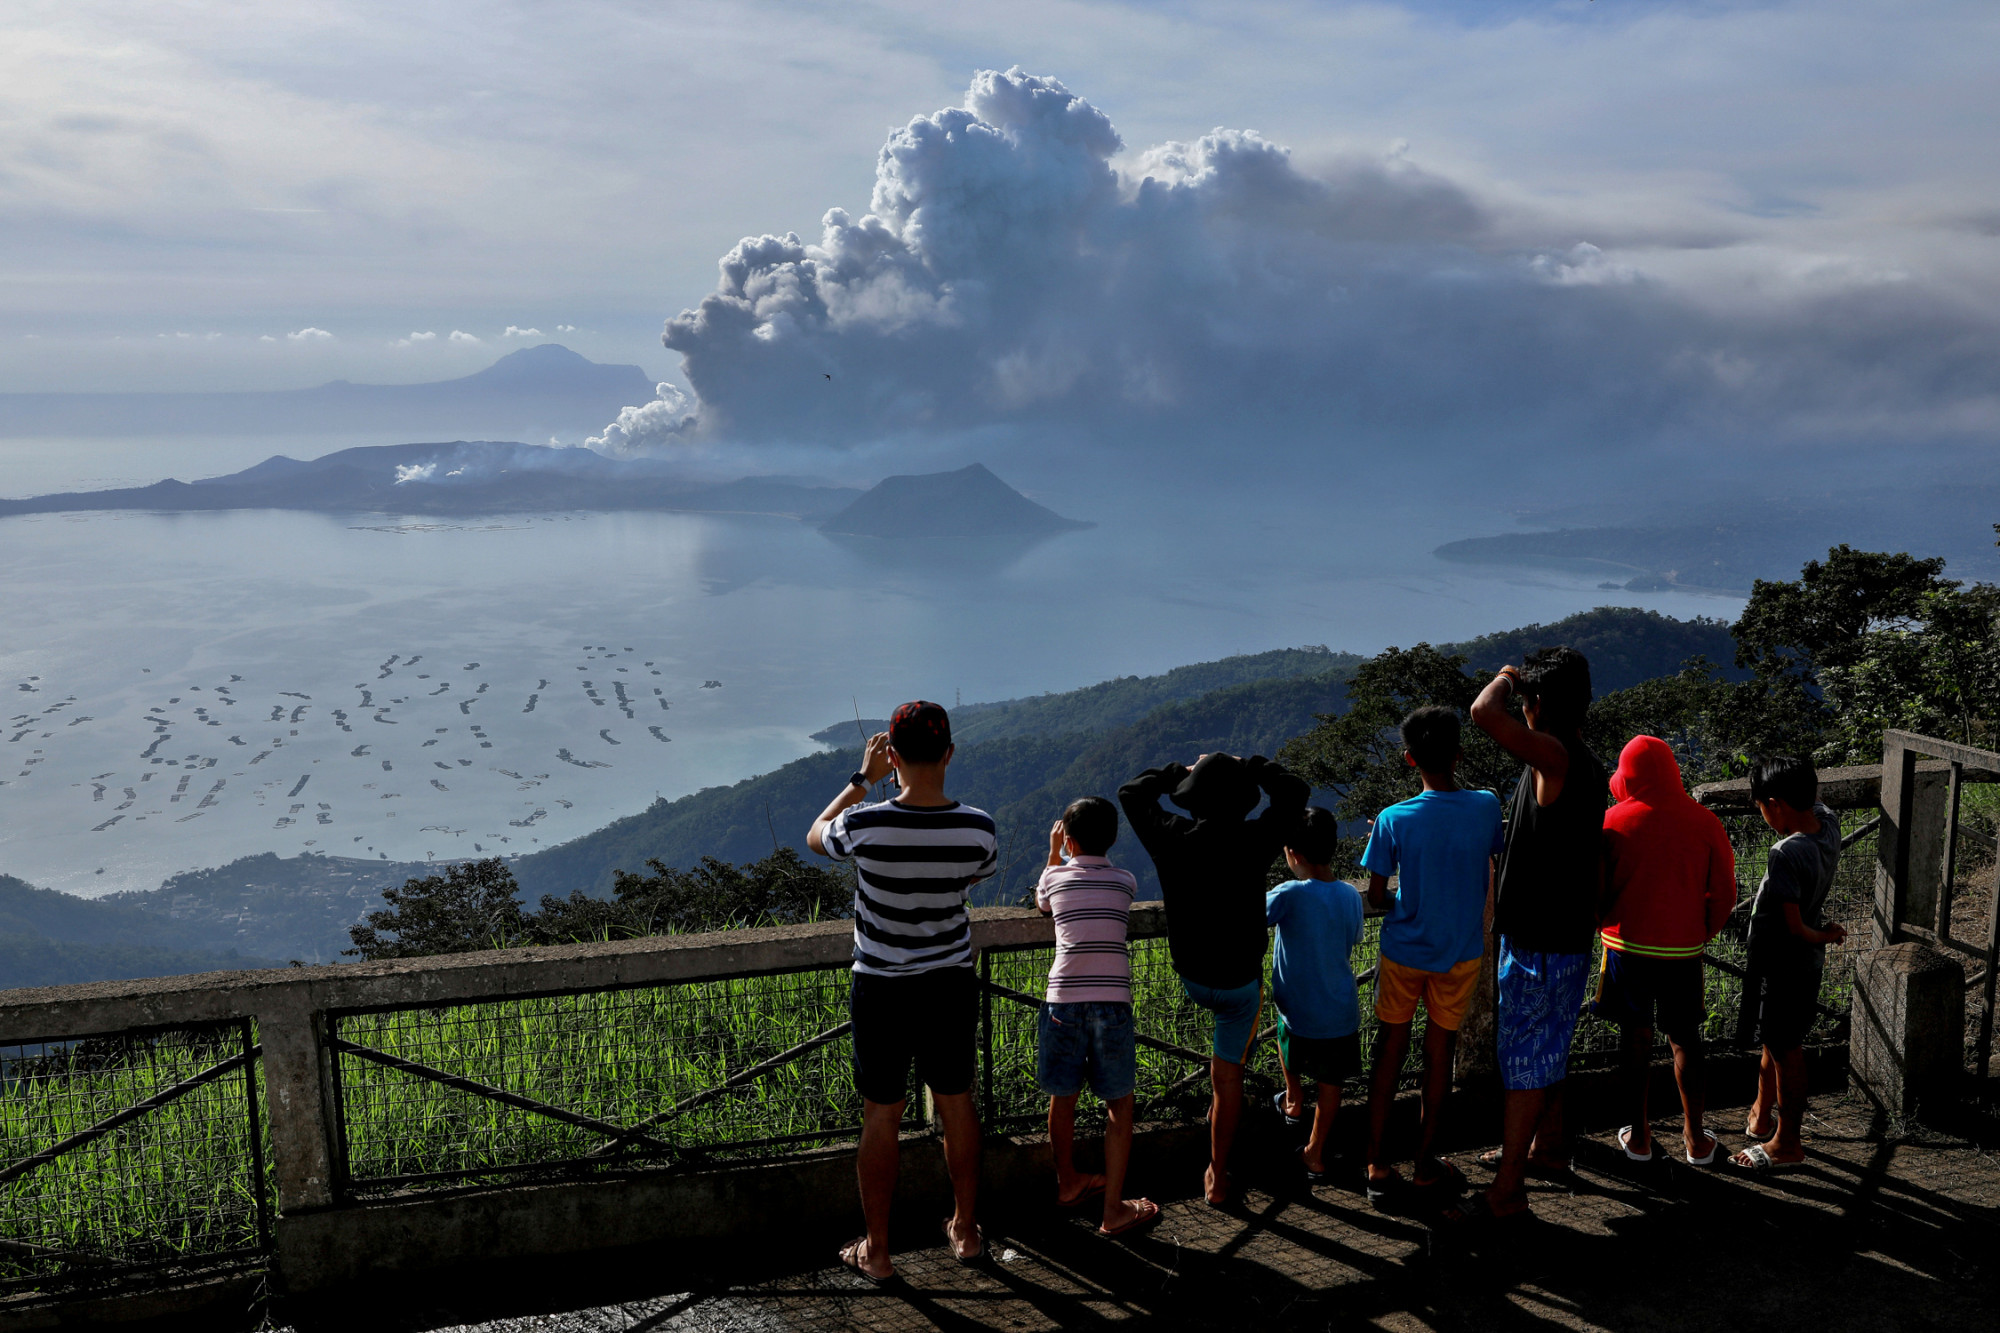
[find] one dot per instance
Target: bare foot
(967, 1241)
(1083, 1187)
(1772, 1150)
(1383, 1177)
(1314, 1164)
(1506, 1205)
(1701, 1147)
(1129, 1215)
(1215, 1187)
(1752, 1128)
(858, 1256)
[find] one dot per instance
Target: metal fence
(130, 1153)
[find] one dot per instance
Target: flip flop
(1714, 1147)
(1291, 1121)
(1475, 1212)
(1760, 1160)
(1760, 1135)
(1384, 1193)
(1490, 1159)
(850, 1259)
(1453, 1180)
(1625, 1142)
(951, 1243)
(1314, 1177)
(1149, 1213)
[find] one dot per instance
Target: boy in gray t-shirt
(1787, 954)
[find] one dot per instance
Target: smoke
(1016, 266)
(415, 472)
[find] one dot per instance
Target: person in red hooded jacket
(1669, 884)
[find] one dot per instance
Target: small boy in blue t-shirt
(1318, 918)
(1440, 846)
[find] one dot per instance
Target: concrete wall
(322, 1239)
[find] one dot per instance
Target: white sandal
(1625, 1142)
(1761, 1160)
(1714, 1147)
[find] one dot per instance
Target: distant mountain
(1727, 545)
(535, 392)
(459, 477)
(54, 939)
(970, 502)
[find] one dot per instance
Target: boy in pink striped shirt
(1086, 1027)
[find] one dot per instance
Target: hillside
(970, 502)
(1113, 703)
(1024, 759)
(52, 939)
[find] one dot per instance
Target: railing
(414, 1079)
(1922, 890)
(130, 1155)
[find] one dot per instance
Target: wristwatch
(858, 779)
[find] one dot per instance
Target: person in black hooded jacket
(1212, 870)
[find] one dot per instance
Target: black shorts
(931, 1018)
(1664, 994)
(1779, 1008)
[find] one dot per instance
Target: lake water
(186, 689)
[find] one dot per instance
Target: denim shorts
(1541, 997)
(1092, 1041)
(1236, 1012)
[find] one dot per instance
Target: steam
(415, 472)
(1013, 267)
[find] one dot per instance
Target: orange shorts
(1445, 994)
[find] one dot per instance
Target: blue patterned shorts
(1541, 996)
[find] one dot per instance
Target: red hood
(1648, 773)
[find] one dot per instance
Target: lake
(185, 689)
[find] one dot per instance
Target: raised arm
(1538, 749)
(874, 767)
(1140, 800)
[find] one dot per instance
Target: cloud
(308, 334)
(513, 332)
(461, 336)
(414, 339)
(1018, 265)
(415, 472)
(565, 328)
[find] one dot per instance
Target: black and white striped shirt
(912, 866)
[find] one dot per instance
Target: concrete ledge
(55, 1012)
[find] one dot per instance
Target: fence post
(295, 1084)
(1893, 840)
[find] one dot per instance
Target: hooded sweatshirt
(1212, 867)
(1670, 873)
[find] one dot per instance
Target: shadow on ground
(1888, 1226)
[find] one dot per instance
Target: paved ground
(1884, 1229)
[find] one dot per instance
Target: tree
(780, 889)
(1862, 642)
(471, 906)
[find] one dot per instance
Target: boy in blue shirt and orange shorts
(1440, 846)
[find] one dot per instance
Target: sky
(1582, 219)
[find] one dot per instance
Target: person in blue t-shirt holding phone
(1439, 845)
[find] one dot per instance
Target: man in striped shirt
(1086, 1027)
(914, 998)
